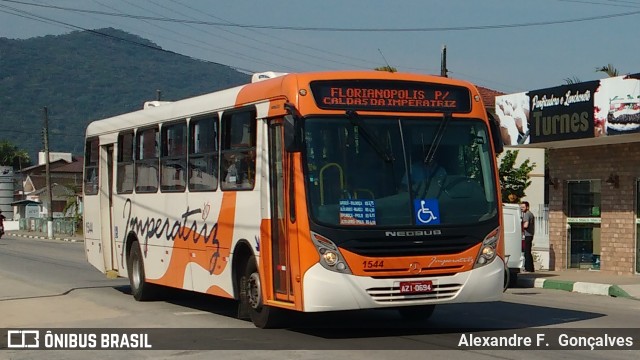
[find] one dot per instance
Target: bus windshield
(390, 172)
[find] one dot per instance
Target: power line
(338, 29)
(322, 52)
(52, 132)
(12, 11)
(627, 4)
(32, 16)
(216, 48)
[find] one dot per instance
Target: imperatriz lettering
(173, 230)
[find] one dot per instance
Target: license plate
(416, 287)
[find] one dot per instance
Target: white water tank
(6, 191)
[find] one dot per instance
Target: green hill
(83, 76)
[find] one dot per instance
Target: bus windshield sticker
(357, 212)
(379, 95)
(427, 211)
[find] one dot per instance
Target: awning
(25, 202)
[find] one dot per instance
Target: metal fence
(64, 226)
(542, 223)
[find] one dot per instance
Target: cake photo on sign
(624, 115)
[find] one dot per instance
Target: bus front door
(282, 248)
(106, 206)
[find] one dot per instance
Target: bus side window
(203, 153)
(125, 176)
(147, 160)
(91, 167)
(238, 162)
(173, 157)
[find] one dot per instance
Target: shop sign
(583, 220)
(610, 106)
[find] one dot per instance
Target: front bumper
(326, 290)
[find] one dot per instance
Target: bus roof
(268, 86)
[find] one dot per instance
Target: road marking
(187, 313)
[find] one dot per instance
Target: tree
(73, 205)
(572, 80)
(514, 180)
(610, 70)
(10, 155)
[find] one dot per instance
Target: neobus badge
(413, 233)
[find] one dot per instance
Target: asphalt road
(48, 284)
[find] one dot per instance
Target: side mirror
(498, 144)
(292, 134)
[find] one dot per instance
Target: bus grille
(385, 295)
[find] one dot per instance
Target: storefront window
(584, 224)
(584, 199)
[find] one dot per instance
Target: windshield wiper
(437, 138)
(369, 137)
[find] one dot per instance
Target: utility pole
(443, 62)
(48, 176)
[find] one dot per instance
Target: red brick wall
(618, 215)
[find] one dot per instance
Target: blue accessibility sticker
(427, 211)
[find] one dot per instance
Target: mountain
(83, 76)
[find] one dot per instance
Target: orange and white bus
(301, 192)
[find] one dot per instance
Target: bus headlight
(330, 257)
(488, 250)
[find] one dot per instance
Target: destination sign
(385, 95)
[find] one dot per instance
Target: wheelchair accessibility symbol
(427, 211)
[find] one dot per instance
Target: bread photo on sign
(624, 115)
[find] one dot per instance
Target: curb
(41, 237)
(576, 286)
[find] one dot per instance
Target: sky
(505, 45)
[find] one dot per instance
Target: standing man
(528, 229)
(2, 218)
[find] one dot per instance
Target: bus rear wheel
(416, 313)
(140, 288)
(261, 315)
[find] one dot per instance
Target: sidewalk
(584, 281)
(580, 281)
(40, 235)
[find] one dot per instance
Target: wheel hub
(254, 291)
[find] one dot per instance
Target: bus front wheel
(140, 288)
(261, 315)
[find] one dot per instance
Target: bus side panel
(120, 212)
(189, 246)
(92, 226)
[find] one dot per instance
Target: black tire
(513, 278)
(140, 288)
(261, 315)
(416, 313)
(507, 277)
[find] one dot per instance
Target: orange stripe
(208, 254)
